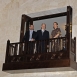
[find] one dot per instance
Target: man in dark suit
(42, 35)
(29, 37)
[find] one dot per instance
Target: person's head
(43, 26)
(31, 27)
(55, 25)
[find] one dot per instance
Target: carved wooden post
(69, 28)
(24, 25)
(7, 51)
(21, 33)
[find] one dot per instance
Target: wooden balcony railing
(38, 54)
(37, 50)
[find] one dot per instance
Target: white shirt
(42, 31)
(30, 34)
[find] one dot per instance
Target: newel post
(7, 51)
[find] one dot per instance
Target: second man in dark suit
(42, 35)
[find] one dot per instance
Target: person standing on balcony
(29, 37)
(56, 33)
(42, 35)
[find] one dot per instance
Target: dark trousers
(29, 47)
(41, 47)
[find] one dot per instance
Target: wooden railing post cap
(74, 37)
(8, 40)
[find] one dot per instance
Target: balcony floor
(37, 64)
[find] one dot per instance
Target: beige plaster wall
(10, 22)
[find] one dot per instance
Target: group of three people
(41, 34)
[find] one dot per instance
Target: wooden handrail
(39, 40)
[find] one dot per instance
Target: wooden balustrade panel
(38, 54)
(38, 50)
